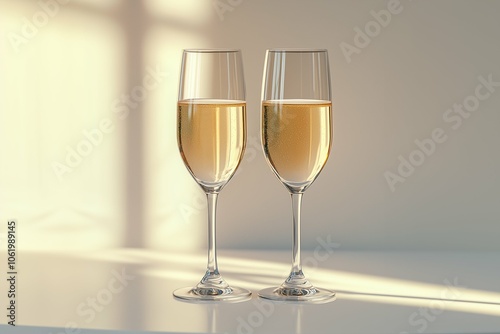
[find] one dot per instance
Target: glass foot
(232, 295)
(297, 288)
(314, 296)
(213, 288)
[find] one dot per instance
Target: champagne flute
(211, 134)
(296, 135)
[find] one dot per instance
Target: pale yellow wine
(211, 137)
(297, 136)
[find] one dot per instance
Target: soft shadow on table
(416, 297)
(70, 279)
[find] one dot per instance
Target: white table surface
(377, 292)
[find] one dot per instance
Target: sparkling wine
(211, 138)
(297, 138)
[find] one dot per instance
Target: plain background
(131, 189)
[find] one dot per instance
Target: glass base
(297, 288)
(213, 287)
(230, 295)
(314, 295)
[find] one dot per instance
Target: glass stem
(212, 267)
(296, 204)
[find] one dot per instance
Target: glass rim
(296, 50)
(211, 50)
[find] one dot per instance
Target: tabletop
(130, 291)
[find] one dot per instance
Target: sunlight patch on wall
(192, 12)
(63, 181)
(98, 3)
(175, 204)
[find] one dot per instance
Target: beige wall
(68, 75)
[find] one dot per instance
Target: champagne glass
(211, 134)
(296, 135)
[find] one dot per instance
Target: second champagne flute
(211, 133)
(296, 134)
